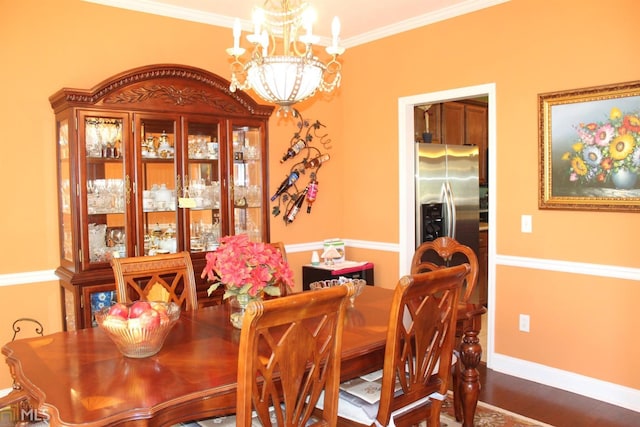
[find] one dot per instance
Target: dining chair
(18, 324)
(279, 246)
(289, 353)
(446, 252)
(420, 334)
(166, 277)
(289, 356)
(13, 403)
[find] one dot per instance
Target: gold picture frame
(590, 148)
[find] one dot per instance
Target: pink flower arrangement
(246, 267)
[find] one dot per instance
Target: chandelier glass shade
(283, 69)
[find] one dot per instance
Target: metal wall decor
(307, 149)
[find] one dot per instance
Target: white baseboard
(615, 394)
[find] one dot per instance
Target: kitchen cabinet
(483, 268)
(453, 123)
(157, 159)
(476, 133)
(466, 123)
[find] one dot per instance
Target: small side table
(349, 269)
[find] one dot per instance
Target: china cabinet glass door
(64, 179)
(156, 184)
(107, 186)
(247, 196)
(202, 185)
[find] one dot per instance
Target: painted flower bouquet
(606, 150)
(246, 268)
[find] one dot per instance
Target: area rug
(487, 416)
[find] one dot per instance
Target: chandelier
(283, 69)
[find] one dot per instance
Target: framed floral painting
(590, 148)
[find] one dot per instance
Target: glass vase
(238, 305)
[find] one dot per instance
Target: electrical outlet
(526, 224)
(524, 322)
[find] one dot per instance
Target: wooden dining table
(79, 378)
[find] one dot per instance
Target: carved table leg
(470, 354)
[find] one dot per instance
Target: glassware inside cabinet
(202, 141)
(248, 182)
(202, 186)
(158, 185)
(107, 186)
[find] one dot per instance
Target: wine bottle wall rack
(308, 149)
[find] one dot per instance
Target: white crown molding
(445, 13)
(194, 15)
(171, 11)
(604, 391)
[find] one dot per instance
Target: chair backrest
(289, 353)
(37, 327)
(279, 246)
(446, 252)
(166, 278)
(420, 334)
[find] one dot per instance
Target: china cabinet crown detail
(157, 159)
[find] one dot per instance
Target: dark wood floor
(550, 405)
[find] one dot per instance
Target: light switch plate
(526, 224)
(524, 322)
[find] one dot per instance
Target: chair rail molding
(28, 277)
(581, 268)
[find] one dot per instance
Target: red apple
(119, 310)
(138, 308)
(149, 319)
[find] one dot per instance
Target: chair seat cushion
(353, 408)
(357, 409)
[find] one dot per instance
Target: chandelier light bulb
(308, 18)
(237, 30)
(258, 19)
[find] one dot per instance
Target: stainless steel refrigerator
(447, 199)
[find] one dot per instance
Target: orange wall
(525, 46)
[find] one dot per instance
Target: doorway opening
(406, 180)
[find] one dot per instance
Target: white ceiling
(362, 20)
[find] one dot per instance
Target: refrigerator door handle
(451, 209)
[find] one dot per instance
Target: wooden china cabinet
(157, 159)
